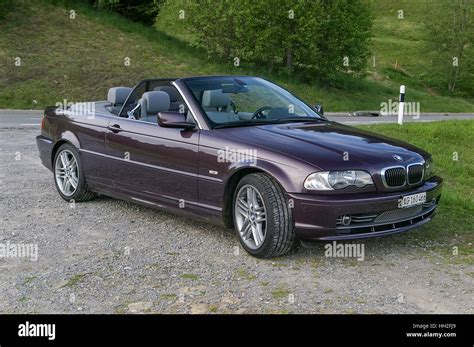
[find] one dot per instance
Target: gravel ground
(109, 256)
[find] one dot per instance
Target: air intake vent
(415, 174)
(395, 177)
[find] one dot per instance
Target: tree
(316, 37)
(144, 11)
(449, 40)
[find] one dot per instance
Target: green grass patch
(168, 297)
(280, 293)
(190, 277)
(74, 280)
(245, 274)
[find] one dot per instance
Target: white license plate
(412, 200)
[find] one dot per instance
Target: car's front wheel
(262, 217)
(68, 175)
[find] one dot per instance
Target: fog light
(346, 219)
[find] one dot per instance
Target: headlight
(429, 168)
(330, 180)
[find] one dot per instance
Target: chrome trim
(143, 164)
(215, 179)
(45, 140)
(180, 91)
(145, 201)
(382, 173)
(92, 152)
(422, 173)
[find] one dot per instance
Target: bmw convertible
(242, 152)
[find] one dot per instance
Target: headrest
(156, 101)
(172, 92)
(118, 95)
(215, 98)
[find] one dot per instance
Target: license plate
(412, 200)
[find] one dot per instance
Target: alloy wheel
(250, 216)
(67, 172)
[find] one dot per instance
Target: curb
(7, 111)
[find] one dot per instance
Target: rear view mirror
(234, 89)
(319, 108)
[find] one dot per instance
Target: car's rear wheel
(262, 218)
(68, 175)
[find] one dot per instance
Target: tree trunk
(289, 58)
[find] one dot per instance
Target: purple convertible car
(243, 152)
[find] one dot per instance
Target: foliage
(449, 39)
(5, 6)
(317, 37)
(143, 11)
(60, 57)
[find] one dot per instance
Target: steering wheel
(258, 114)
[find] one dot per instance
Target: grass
(169, 297)
(74, 280)
(79, 59)
(454, 221)
(399, 45)
(280, 293)
(191, 277)
(244, 274)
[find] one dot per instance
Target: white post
(401, 104)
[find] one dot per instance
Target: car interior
(152, 96)
(232, 100)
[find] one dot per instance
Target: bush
(449, 41)
(143, 11)
(316, 37)
(5, 6)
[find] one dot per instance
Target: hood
(329, 145)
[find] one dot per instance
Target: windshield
(243, 101)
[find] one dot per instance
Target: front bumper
(318, 217)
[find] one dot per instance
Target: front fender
(289, 177)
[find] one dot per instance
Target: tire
(278, 226)
(74, 174)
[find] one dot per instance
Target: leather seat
(218, 106)
(215, 100)
(151, 103)
(116, 97)
(175, 98)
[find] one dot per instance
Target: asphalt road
(32, 118)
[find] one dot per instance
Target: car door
(89, 130)
(152, 163)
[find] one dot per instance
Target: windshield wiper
(245, 123)
(301, 119)
(269, 121)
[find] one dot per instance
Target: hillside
(79, 59)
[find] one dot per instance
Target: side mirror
(319, 108)
(173, 120)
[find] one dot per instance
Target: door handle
(115, 128)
